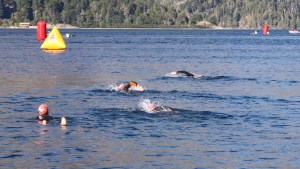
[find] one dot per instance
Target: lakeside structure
(24, 25)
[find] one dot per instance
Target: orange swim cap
(43, 109)
(132, 83)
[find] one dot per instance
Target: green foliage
(196, 17)
(1, 9)
(213, 20)
(153, 13)
(24, 11)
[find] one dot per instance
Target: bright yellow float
(54, 41)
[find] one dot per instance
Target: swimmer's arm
(186, 73)
(127, 87)
(121, 87)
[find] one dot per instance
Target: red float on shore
(41, 30)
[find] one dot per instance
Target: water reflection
(54, 52)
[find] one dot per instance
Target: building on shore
(24, 25)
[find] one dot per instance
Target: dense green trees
(1, 9)
(152, 13)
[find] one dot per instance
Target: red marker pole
(41, 30)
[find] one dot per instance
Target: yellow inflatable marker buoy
(54, 41)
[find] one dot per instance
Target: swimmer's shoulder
(185, 73)
(44, 117)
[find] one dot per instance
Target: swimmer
(155, 108)
(131, 86)
(183, 73)
(44, 116)
(147, 106)
(69, 35)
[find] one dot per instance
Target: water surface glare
(243, 112)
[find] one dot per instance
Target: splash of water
(113, 87)
(136, 88)
(198, 76)
(144, 106)
(173, 74)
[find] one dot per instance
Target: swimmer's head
(43, 109)
(173, 73)
(132, 83)
(151, 106)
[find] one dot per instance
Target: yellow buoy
(54, 41)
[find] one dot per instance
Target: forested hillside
(152, 13)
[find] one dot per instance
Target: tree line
(152, 13)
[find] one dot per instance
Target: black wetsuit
(126, 88)
(188, 74)
(44, 117)
(162, 108)
(129, 85)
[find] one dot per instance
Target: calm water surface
(243, 114)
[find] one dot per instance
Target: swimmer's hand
(63, 121)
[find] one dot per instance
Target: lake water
(244, 112)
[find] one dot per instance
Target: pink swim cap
(43, 109)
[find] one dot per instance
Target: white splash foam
(113, 87)
(148, 107)
(198, 76)
(172, 74)
(144, 105)
(136, 88)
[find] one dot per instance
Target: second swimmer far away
(183, 73)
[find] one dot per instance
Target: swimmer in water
(67, 35)
(147, 106)
(155, 108)
(44, 116)
(183, 73)
(131, 86)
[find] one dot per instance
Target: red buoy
(41, 30)
(266, 29)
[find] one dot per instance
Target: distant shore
(66, 26)
(201, 25)
(48, 26)
(163, 28)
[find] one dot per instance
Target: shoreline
(67, 26)
(59, 27)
